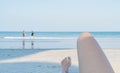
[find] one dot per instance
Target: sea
(55, 40)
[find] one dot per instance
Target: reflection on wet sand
(23, 44)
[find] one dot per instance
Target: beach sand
(46, 61)
(113, 56)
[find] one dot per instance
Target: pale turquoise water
(65, 40)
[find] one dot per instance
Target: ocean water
(55, 40)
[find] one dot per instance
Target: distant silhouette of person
(23, 33)
(32, 34)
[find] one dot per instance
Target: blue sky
(60, 15)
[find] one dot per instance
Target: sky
(60, 15)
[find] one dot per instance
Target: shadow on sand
(33, 67)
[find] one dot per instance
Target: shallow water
(55, 40)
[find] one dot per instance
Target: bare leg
(91, 57)
(65, 64)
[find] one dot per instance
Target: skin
(66, 63)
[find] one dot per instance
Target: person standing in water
(32, 34)
(32, 38)
(23, 35)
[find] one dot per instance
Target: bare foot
(66, 63)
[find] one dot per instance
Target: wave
(51, 38)
(44, 38)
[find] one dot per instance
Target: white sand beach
(35, 61)
(46, 61)
(113, 56)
